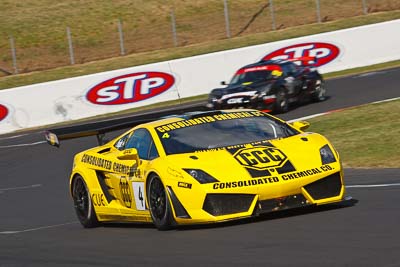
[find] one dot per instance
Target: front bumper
(267, 102)
(217, 206)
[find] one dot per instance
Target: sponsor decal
(274, 179)
(130, 88)
(235, 100)
(125, 191)
(95, 161)
(259, 181)
(322, 53)
(241, 94)
(260, 68)
(206, 119)
(185, 185)
(174, 172)
(261, 157)
(3, 112)
(98, 200)
(109, 165)
(301, 174)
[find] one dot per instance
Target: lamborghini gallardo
(202, 167)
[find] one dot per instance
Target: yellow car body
(233, 181)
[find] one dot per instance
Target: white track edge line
(371, 185)
(324, 113)
(20, 187)
(36, 229)
(22, 145)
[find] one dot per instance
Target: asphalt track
(38, 226)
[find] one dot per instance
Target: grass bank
(366, 136)
(191, 50)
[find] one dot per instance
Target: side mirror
(223, 83)
(129, 154)
(300, 125)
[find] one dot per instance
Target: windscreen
(220, 130)
(253, 76)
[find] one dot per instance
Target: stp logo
(3, 112)
(261, 157)
(322, 52)
(130, 88)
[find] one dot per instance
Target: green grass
(366, 136)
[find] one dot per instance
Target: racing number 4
(138, 192)
(141, 196)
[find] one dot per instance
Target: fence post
(227, 25)
(271, 9)
(121, 38)
(365, 7)
(173, 24)
(71, 48)
(14, 55)
(318, 11)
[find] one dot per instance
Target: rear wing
(100, 128)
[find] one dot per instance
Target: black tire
(160, 208)
(320, 91)
(83, 203)
(282, 102)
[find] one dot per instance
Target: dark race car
(270, 86)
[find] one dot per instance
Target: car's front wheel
(320, 91)
(83, 203)
(282, 102)
(160, 208)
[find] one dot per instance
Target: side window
(153, 153)
(293, 67)
(289, 69)
(285, 69)
(141, 140)
(120, 144)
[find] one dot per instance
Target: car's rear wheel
(320, 91)
(160, 208)
(282, 103)
(83, 203)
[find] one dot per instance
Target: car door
(292, 77)
(129, 177)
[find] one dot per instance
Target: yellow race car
(202, 167)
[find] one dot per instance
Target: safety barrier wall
(102, 93)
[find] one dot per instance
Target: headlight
(201, 176)
(326, 155)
